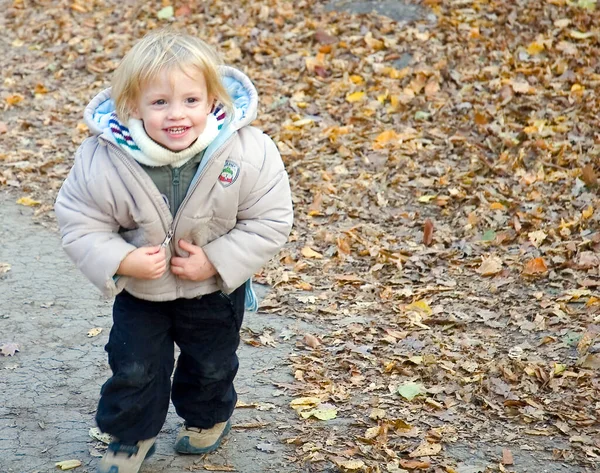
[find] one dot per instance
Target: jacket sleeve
(88, 229)
(264, 222)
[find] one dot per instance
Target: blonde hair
(163, 50)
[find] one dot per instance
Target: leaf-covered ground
(445, 185)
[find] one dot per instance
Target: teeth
(176, 130)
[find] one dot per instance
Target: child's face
(174, 107)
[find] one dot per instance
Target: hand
(196, 267)
(147, 262)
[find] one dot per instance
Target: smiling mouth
(177, 130)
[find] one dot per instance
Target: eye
(192, 100)
(159, 102)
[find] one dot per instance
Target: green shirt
(173, 183)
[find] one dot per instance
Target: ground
(436, 306)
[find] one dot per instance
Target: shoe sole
(183, 444)
(115, 469)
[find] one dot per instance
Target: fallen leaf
(166, 13)
(490, 266)
(355, 97)
(304, 402)
(588, 175)
(414, 464)
(507, 457)
(420, 306)
(411, 390)
(9, 349)
(323, 37)
(428, 233)
(94, 332)
(266, 447)
(95, 433)
(350, 465)
(3, 127)
(4, 268)
(28, 201)
(537, 238)
(426, 449)
(311, 340)
(68, 464)
(308, 252)
(210, 467)
(14, 99)
(535, 267)
(323, 412)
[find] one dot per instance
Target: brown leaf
(414, 464)
(428, 233)
(211, 467)
(3, 127)
(311, 340)
(535, 267)
(588, 175)
(323, 37)
(183, 10)
(507, 457)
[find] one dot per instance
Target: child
(171, 207)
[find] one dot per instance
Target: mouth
(177, 130)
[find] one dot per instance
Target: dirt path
(50, 387)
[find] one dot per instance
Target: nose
(175, 111)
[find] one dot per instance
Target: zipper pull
(167, 239)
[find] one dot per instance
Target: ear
(210, 104)
(134, 113)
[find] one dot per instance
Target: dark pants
(134, 401)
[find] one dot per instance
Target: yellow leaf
(355, 97)
(356, 79)
(40, 89)
(304, 402)
(497, 206)
(320, 413)
(308, 252)
(303, 121)
(535, 48)
(68, 464)
(28, 201)
(587, 213)
(94, 332)
(420, 306)
(427, 198)
(577, 88)
(580, 35)
(14, 99)
(386, 137)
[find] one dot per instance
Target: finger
(152, 250)
(177, 261)
(184, 245)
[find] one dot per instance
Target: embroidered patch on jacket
(229, 174)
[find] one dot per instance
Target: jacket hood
(240, 88)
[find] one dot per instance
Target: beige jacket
(238, 209)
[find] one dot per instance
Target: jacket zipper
(175, 182)
(170, 230)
